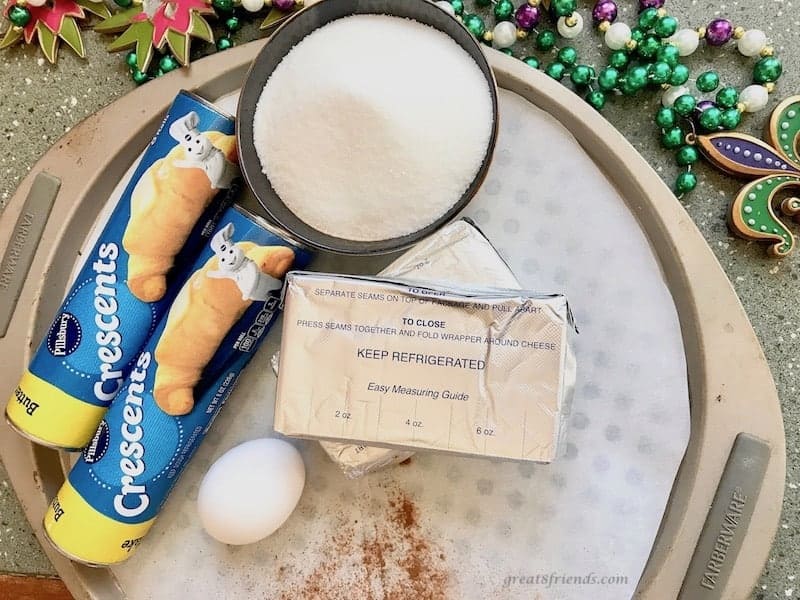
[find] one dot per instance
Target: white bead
(252, 5)
(570, 32)
(446, 7)
(751, 43)
(754, 98)
(504, 34)
(686, 41)
(617, 36)
(669, 96)
(36, 2)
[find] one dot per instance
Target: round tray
(727, 372)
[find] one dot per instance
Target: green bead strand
(672, 138)
(687, 155)
(731, 118)
(707, 82)
(232, 24)
(767, 70)
(475, 25)
(458, 6)
(568, 55)
(666, 118)
(545, 40)
(636, 77)
(19, 15)
(222, 5)
(503, 10)
(659, 72)
(727, 97)
(711, 118)
(131, 59)
(582, 75)
(139, 77)
(666, 27)
(608, 78)
(648, 18)
(224, 43)
(685, 183)
(168, 63)
(680, 75)
(618, 59)
(649, 47)
(563, 8)
(556, 70)
(684, 105)
(637, 34)
(596, 99)
(531, 61)
(669, 54)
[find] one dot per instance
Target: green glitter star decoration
(761, 206)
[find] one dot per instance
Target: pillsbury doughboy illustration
(233, 264)
(201, 153)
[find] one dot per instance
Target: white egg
(251, 490)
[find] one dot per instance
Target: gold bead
(741, 107)
(630, 44)
(701, 32)
(571, 21)
(521, 34)
(767, 51)
(661, 12)
(738, 32)
(665, 86)
(487, 36)
(299, 3)
(534, 3)
(603, 26)
(770, 85)
(21, 2)
(16, 28)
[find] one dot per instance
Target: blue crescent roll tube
(187, 177)
(180, 381)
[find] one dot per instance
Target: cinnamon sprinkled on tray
(392, 560)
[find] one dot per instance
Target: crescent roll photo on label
(181, 379)
(184, 181)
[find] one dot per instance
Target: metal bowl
(280, 43)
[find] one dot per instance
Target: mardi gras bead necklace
(646, 56)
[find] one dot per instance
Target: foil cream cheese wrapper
(420, 366)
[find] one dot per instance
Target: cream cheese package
(401, 364)
(180, 381)
(183, 183)
(457, 254)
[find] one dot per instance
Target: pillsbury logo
(64, 336)
(99, 444)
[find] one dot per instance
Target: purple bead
(604, 10)
(704, 105)
(527, 16)
(718, 32)
(283, 5)
(643, 4)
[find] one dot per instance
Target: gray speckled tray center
(465, 527)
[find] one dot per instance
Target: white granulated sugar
(373, 126)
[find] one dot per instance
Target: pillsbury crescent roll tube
(184, 181)
(180, 381)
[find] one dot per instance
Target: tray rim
(706, 302)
